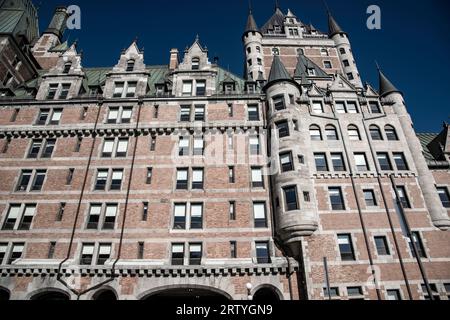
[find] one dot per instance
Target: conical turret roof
(386, 86)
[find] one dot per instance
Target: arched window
(67, 67)
(315, 133)
(331, 132)
(353, 133)
(390, 132)
(195, 63)
(130, 65)
(375, 133)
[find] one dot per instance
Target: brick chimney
(173, 59)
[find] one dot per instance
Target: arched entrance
(202, 294)
(4, 294)
(105, 294)
(266, 294)
(51, 295)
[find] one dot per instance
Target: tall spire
(333, 27)
(278, 71)
(251, 23)
(386, 87)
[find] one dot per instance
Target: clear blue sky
(412, 47)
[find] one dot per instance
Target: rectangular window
(196, 216)
(352, 107)
(340, 107)
(354, 292)
(254, 145)
(35, 149)
(78, 144)
(16, 252)
(12, 217)
(233, 250)
(419, 244)
(199, 113)
(187, 88)
(383, 161)
(317, 107)
(49, 147)
(361, 162)
(231, 175)
(108, 147)
(51, 250)
(126, 115)
(87, 252)
(104, 252)
(279, 103)
(118, 89)
(177, 254)
(179, 216)
(3, 247)
(144, 211)
(52, 89)
(185, 114)
(283, 129)
(38, 180)
(152, 143)
(64, 91)
(393, 294)
(62, 208)
(140, 254)
(43, 116)
(198, 146)
(350, 76)
(286, 162)
(334, 292)
(259, 213)
(400, 161)
(56, 116)
(346, 63)
(195, 254)
(434, 292)
(337, 160)
(346, 247)
(257, 177)
(122, 148)
(131, 89)
(321, 162)
(230, 110)
(94, 216)
(262, 252)
(197, 178)
(201, 88)
(291, 199)
(113, 115)
(232, 210)
(27, 217)
(374, 107)
(444, 196)
(183, 146)
(182, 179)
(403, 197)
(382, 245)
(116, 180)
(369, 197)
(336, 198)
(24, 180)
(327, 65)
(110, 216)
(102, 177)
(148, 179)
(253, 113)
(6, 145)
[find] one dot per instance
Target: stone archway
(187, 293)
(51, 295)
(266, 293)
(4, 294)
(105, 294)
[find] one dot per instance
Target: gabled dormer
(195, 58)
(64, 80)
(129, 77)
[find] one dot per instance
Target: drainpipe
(391, 225)
(411, 238)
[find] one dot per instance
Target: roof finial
(197, 38)
(277, 5)
(249, 6)
(136, 39)
(326, 6)
(378, 66)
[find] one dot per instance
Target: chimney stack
(173, 59)
(58, 24)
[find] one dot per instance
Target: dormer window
(130, 65)
(67, 67)
(195, 63)
(250, 88)
(277, 29)
(311, 72)
(324, 52)
(275, 51)
(159, 90)
(228, 88)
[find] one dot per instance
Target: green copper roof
(425, 139)
(61, 47)
(9, 20)
(226, 76)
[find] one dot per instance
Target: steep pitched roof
(303, 63)
(278, 71)
(276, 20)
(333, 27)
(386, 86)
(251, 23)
(426, 140)
(9, 20)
